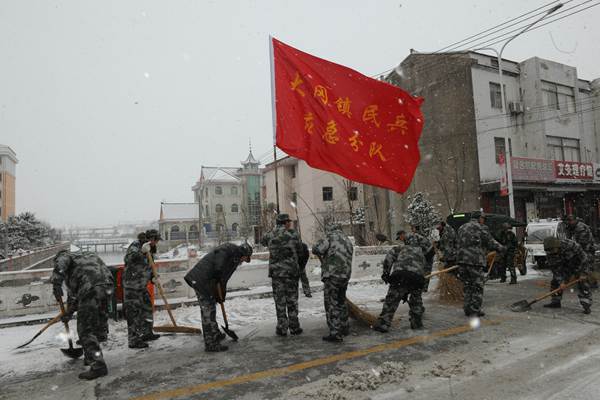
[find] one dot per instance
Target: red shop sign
(573, 170)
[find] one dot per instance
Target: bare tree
(450, 173)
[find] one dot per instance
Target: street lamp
(507, 162)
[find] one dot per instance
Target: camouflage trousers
(392, 300)
(336, 309)
(208, 312)
(473, 278)
(507, 262)
(592, 269)
(305, 283)
(583, 291)
(91, 311)
(138, 312)
(285, 295)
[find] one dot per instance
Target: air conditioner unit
(516, 107)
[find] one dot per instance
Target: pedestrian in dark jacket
(210, 273)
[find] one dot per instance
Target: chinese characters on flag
(341, 121)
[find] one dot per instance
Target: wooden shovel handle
(492, 263)
(441, 271)
(568, 285)
(220, 292)
(160, 289)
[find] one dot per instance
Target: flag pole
(274, 115)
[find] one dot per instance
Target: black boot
(296, 332)
(552, 304)
(221, 337)
(503, 279)
(138, 345)
(333, 338)
(280, 332)
(587, 309)
(416, 323)
(94, 373)
(513, 278)
(215, 348)
(380, 328)
(150, 336)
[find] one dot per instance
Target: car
(536, 232)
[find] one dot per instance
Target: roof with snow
(178, 211)
(250, 159)
(220, 175)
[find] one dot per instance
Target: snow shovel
(48, 325)
(169, 329)
(524, 305)
(71, 352)
(228, 331)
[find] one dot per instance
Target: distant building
(551, 118)
(312, 191)
(178, 223)
(230, 198)
(8, 182)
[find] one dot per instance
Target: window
(494, 62)
(219, 208)
(234, 227)
(295, 197)
(234, 208)
(558, 97)
(499, 148)
(174, 228)
(293, 171)
(495, 95)
(327, 193)
(206, 211)
(234, 190)
(353, 193)
(218, 190)
(563, 149)
(206, 192)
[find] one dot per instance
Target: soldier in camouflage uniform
(447, 244)
(335, 252)
(568, 261)
(582, 234)
(416, 239)
(284, 248)
(473, 241)
(136, 299)
(302, 261)
(215, 269)
(89, 284)
(508, 239)
(404, 271)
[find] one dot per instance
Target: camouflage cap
(551, 244)
(282, 218)
(334, 226)
(152, 234)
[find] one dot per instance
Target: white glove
(146, 248)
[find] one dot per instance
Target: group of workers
(405, 268)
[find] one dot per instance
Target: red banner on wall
(341, 121)
(573, 170)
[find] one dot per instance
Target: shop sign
(573, 170)
(532, 170)
(597, 173)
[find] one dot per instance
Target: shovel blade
(230, 333)
(521, 306)
(73, 352)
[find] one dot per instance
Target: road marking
(275, 372)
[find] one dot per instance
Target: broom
(359, 314)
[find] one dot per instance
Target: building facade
(230, 198)
(8, 182)
(551, 118)
(178, 223)
(306, 193)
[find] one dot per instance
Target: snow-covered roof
(250, 159)
(178, 211)
(220, 174)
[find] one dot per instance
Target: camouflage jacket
(404, 258)
(447, 244)
(570, 260)
(335, 252)
(418, 240)
(215, 267)
(508, 239)
(284, 250)
(138, 271)
(473, 242)
(582, 234)
(81, 272)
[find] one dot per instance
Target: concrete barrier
(18, 263)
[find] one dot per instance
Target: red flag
(341, 121)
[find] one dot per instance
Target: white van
(536, 232)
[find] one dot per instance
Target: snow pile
(447, 371)
(349, 385)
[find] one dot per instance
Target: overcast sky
(113, 106)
